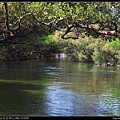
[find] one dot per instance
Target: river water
(58, 87)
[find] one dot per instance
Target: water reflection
(83, 90)
(22, 88)
(62, 102)
(58, 87)
(66, 103)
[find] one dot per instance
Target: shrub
(90, 49)
(45, 39)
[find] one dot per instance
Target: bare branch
(19, 22)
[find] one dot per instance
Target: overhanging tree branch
(10, 30)
(19, 22)
(90, 27)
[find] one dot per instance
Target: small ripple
(52, 70)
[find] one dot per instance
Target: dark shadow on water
(21, 99)
(60, 87)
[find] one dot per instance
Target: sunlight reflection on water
(59, 88)
(61, 102)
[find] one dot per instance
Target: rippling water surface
(58, 87)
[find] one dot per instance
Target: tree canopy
(26, 29)
(93, 18)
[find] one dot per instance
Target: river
(58, 87)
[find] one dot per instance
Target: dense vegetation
(90, 49)
(86, 31)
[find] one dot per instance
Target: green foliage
(90, 49)
(48, 39)
(78, 49)
(101, 54)
(45, 39)
(115, 44)
(85, 48)
(115, 48)
(83, 12)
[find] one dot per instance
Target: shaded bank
(85, 49)
(89, 49)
